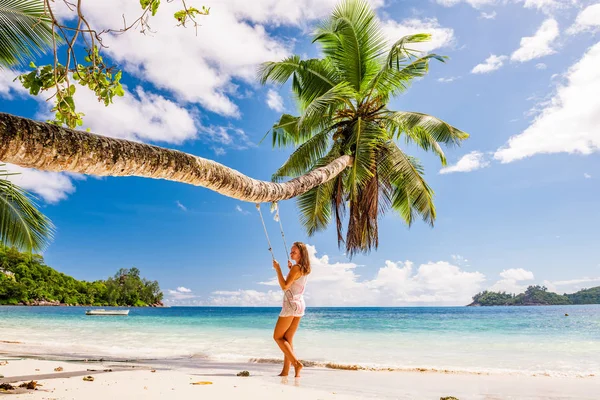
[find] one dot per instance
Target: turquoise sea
(516, 340)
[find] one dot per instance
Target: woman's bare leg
(283, 324)
(289, 336)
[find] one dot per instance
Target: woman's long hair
(304, 262)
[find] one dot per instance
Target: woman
(293, 305)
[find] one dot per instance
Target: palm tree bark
(43, 146)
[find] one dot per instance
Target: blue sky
(517, 205)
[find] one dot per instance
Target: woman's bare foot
(297, 367)
(284, 373)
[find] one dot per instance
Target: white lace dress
(293, 299)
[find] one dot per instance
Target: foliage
(343, 100)
(25, 31)
(487, 298)
(585, 296)
(21, 223)
(25, 278)
(536, 295)
(29, 28)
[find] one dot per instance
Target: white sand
(125, 382)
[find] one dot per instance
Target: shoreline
(175, 378)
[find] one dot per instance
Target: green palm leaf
(21, 224)
(316, 205)
(310, 78)
(352, 39)
(304, 157)
(364, 141)
(424, 130)
(410, 194)
(24, 31)
(318, 112)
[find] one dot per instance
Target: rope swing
(274, 208)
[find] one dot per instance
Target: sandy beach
(164, 380)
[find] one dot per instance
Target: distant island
(536, 296)
(26, 280)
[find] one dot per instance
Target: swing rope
(280, 228)
(265, 228)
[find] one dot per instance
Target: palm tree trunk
(43, 146)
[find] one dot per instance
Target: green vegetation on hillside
(25, 279)
(536, 295)
(586, 296)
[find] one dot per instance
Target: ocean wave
(462, 371)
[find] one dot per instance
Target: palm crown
(343, 110)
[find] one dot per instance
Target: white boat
(102, 311)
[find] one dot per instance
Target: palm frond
(352, 39)
(410, 193)
(424, 130)
(285, 132)
(400, 55)
(320, 110)
(391, 81)
(21, 224)
(364, 140)
(310, 78)
(304, 157)
(316, 205)
(25, 31)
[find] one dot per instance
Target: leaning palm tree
(25, 30)
(343, 100)
(21, 224)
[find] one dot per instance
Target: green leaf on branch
(190, 13)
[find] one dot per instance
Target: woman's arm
(285, 283)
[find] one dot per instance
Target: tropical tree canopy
(343, 101)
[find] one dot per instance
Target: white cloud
(9, 87)
(440, 36)
(485, 15)
(538, 45)
(219, 151)
(396, 283)
(587, 20)
(449, 79)
(139, 116)
(207, 73)
(546, 6)
(473, 3)
(179, 296)
(181, 206)
(458, 259)
(568, 122)
(541, 66)
(470, 162)
(517, 274)
(229, 136)
(50, 186)
(510, 281)
(241, 210)
(572, 285)
(274, 101)
(587, 176)
(491, 63)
